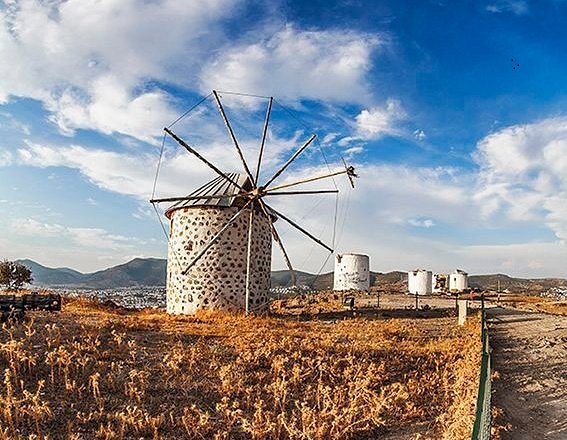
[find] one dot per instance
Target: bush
(14, 275)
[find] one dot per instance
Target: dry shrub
(96, 372)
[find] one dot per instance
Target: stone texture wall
(218, 280)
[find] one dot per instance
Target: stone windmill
(219, 246)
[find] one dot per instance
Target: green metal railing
(481, 429)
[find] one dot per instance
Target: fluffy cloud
(93, 238)
(292, 64)
(523, 173)
(108, 107)
(35, 228)
(380, 121)
(6, 158)
(91, 62)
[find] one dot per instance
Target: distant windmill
(219, 253)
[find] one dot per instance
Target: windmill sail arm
(179, 199)
(201, 158)
(296, 226)
(249, 258)
(280, 243)
(348, 171)
(215, 237)
(296, 193)
(264, 133)
(232, 136)
(290, 160)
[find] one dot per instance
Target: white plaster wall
(419, 282)
(352, 272)
(218, 280)
(458, 282)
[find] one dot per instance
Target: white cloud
(180, 172)
(377, 122)
(294, 64)
(92, 62)
(352, 151)
(419, 135)
(35, 228)
(371, 218)
(517, 7)
(523, 173)
(11, 122)
(6, 158)
(538, 259)
(109, 107)
(380, 121)
(421, 223)
(93, 238)
(101, 239)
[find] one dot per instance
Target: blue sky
(462, 159)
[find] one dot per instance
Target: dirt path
(530, 354)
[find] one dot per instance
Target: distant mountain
(505, 282)
(138, 272)
(152, 272)
(52, 276)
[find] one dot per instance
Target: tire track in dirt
(529, 351)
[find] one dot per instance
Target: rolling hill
(138, 272)
(151, 272)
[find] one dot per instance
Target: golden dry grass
(536, 303)
(92, 372)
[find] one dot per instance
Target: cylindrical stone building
(458, 281)
(352, 272)
(218, 280)
(419, 282)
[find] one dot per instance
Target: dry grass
(536, 304)
(93, 372)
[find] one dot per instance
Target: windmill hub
(257, 192)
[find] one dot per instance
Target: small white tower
(352, 272)
(419, 282)
(458, 281)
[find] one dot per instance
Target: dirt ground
(530, 357)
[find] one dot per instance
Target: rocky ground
(530, 360)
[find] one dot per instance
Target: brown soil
(530, 358)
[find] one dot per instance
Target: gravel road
(529, 352)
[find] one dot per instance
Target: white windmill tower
(219, 252)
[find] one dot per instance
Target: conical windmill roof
(224, 191)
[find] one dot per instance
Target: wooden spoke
(249, 257)
(232, 136)
(264, 132)
(295, 193)
(201, 158)
(311, 179)
(179, 199)
(215, 238)
(296, 226)
(290, 160)
(280, 243)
